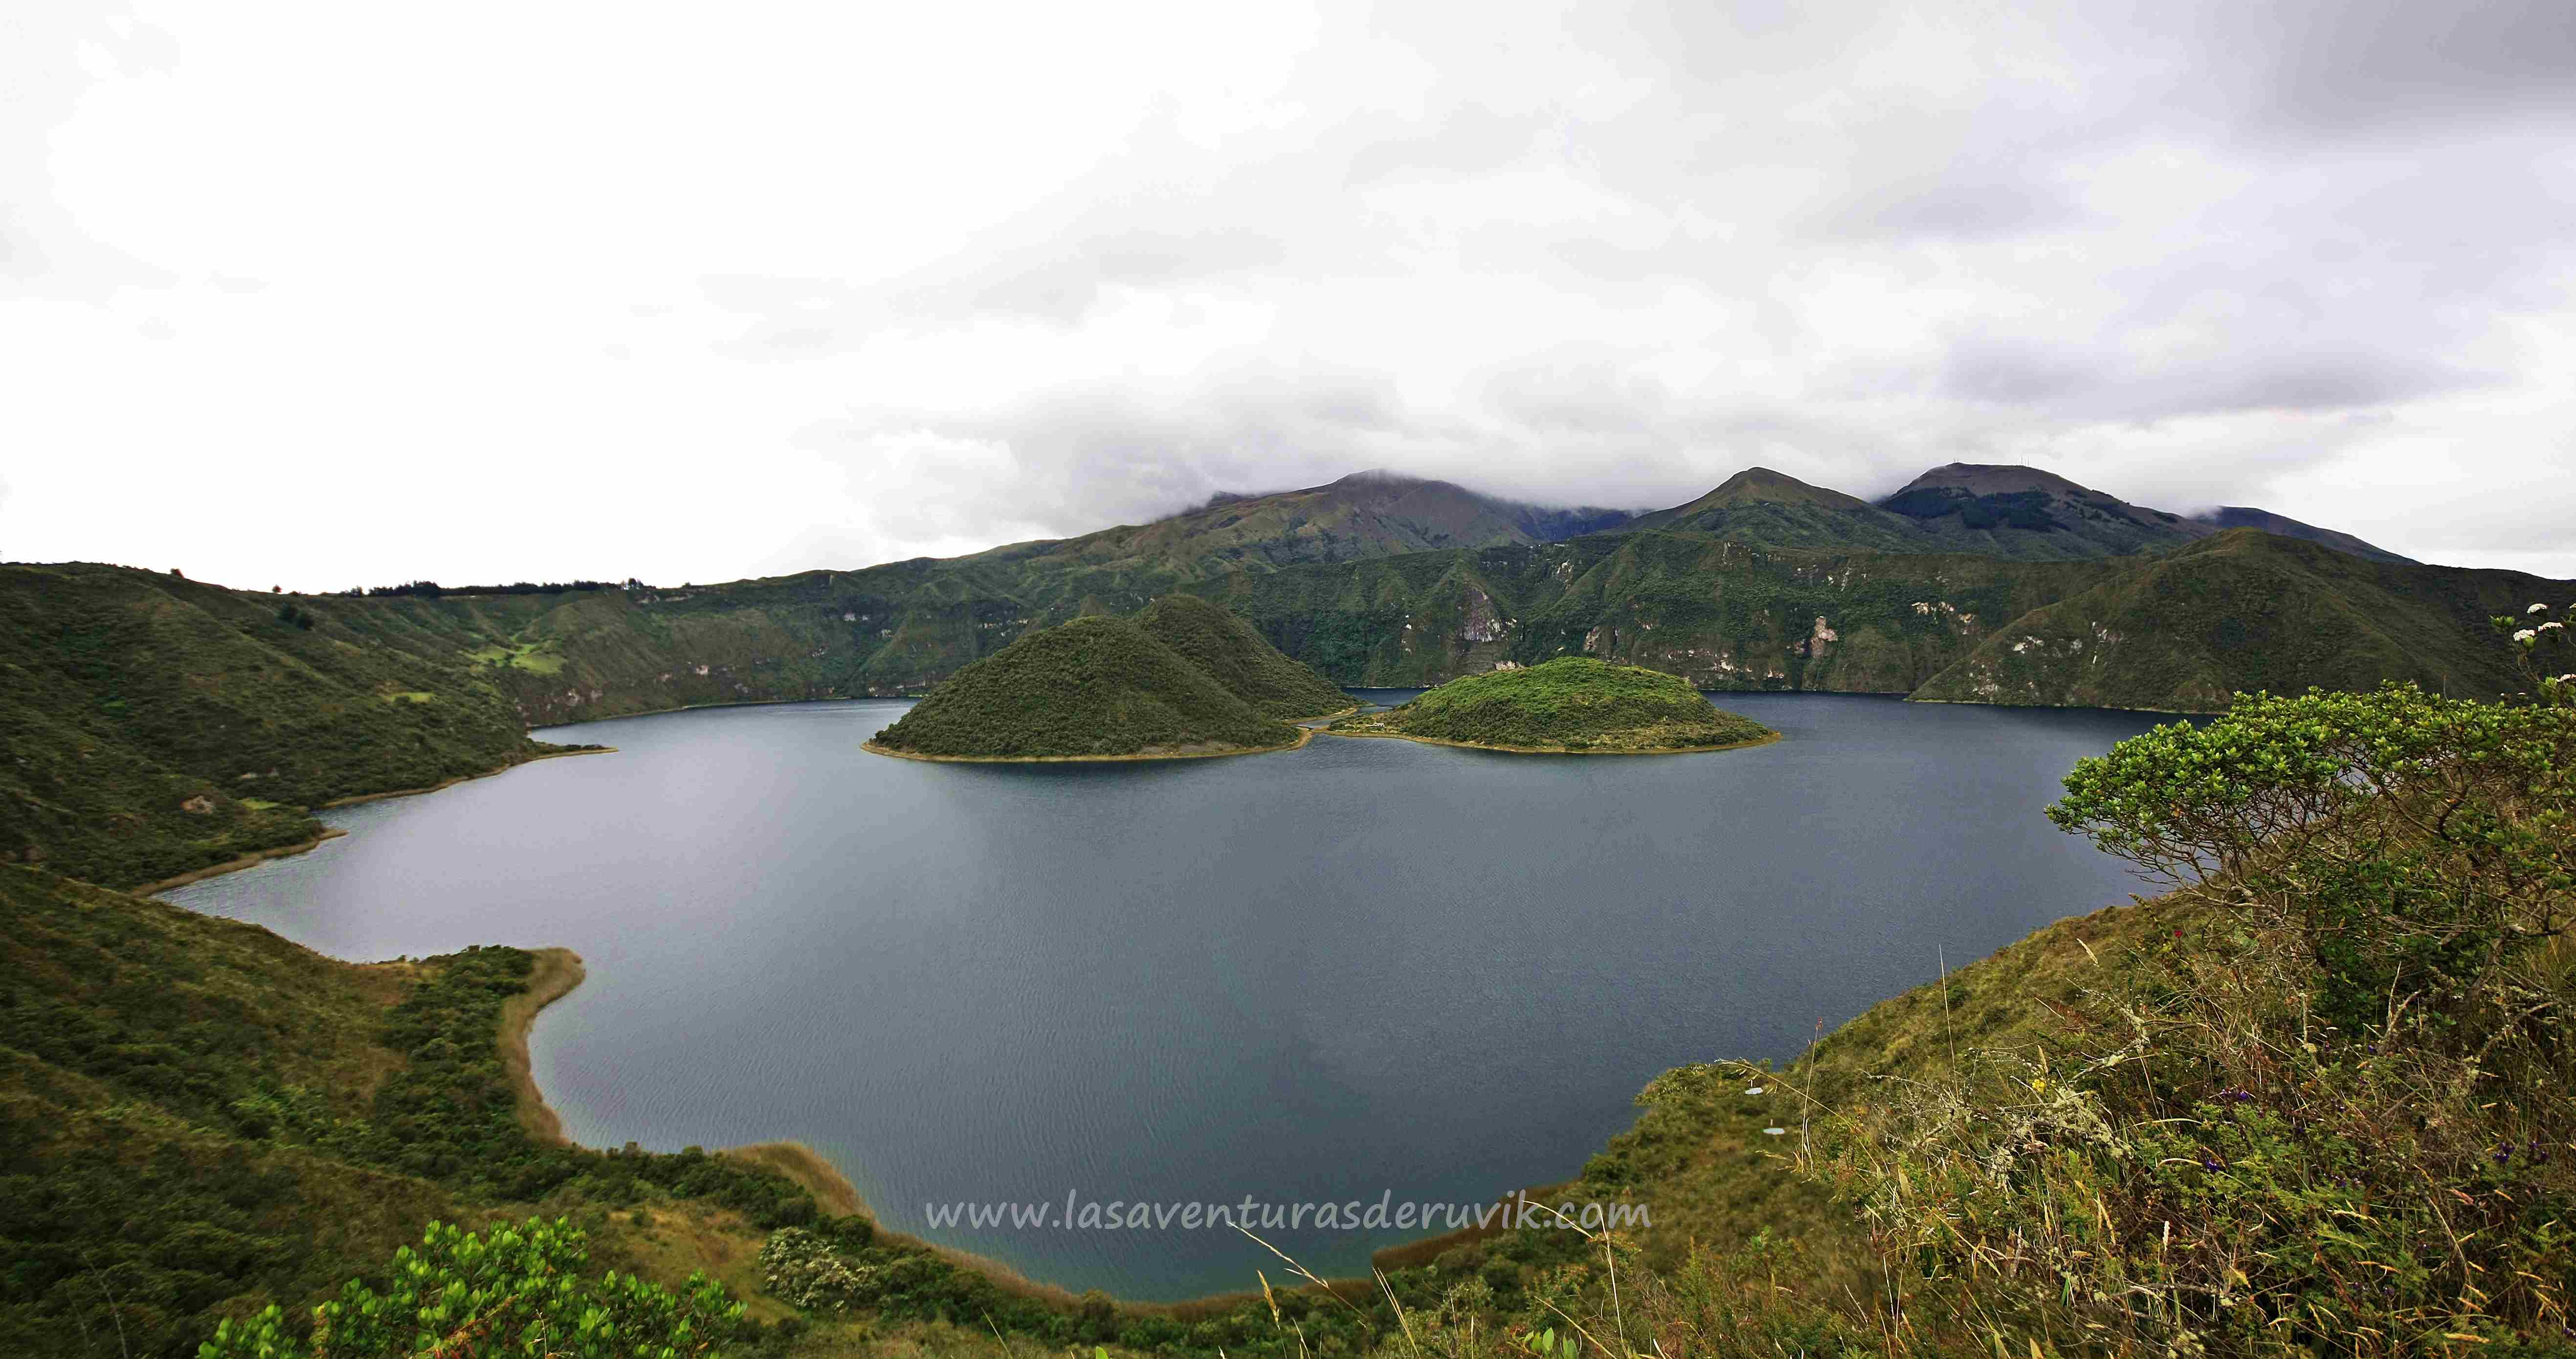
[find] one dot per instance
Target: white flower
(2526, 636)
(2537, 608)
(2551, 627)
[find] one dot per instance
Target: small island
(1184, 679)
(1573, 705)
(1236, 655)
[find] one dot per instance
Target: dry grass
(806, 1167)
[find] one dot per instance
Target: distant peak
(1763, 484)
(1379, 476)
(1990, 478)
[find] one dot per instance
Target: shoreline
(724, 703)
(461, 778)
(1546, 750)
(251, 860)
(557, 972)
(560, 970)
(1304, 734)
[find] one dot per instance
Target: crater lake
(1356, 968)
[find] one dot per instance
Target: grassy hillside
(1758, 505)
(1572, 704)
(156, 725)
(2246, 516)
(1236, 655)
(1722, 614)
(2247, 611)
(198, 1117)
(1091, 688)
(1366, 514)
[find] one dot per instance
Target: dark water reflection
(1363, 966)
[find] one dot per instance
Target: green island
(1182, 680)
(1573, 705)
(1236, 655)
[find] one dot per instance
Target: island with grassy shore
(1184, 679)
(1573, 705)
(1236, 655)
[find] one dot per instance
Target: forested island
(1183, 679)
(1570, 706)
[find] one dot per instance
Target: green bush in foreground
(519, 1292)
(2329, 1116)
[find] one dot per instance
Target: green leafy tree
(2420, 846)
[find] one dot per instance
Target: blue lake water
(1360, 967)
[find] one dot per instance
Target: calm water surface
(1361, 966)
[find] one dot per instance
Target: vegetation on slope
(1573, 703)
(1236, 655)
(1758, 505)
(2246, 516)
(520, 1290)
(1365, 514)
(1723, 615)
(156, 725)
(197, 1116)
(2247, 611)
(1092, 688)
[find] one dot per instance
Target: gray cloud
(2307, 255)
(2352, 69)
(2101, 388)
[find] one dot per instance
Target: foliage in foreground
(196, 1114)
(518, 1291)
(2331, 1115)
(1572, 703)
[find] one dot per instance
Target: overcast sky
(334, 293)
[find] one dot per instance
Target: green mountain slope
(197, 1116)
(1237, 656)
(2248, 611)
(2245, 516)
(1724, 615)
(1758, 505)
(1091, 688)
(2026, 514)
(1365, 514)
(156, 725)
(1572, 703)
